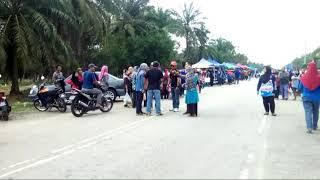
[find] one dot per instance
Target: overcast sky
(268, 31)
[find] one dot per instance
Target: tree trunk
(13, 69)
(187, 55)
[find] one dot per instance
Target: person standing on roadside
(277, 90)
(237, 74)
(192, 96)
(128, 83)
(58, 78)
(175, 81)
(265, 88)
(133, 77)
(139, 87)
(154, 77)
(284, 85)
(165, 85)
(310, 89)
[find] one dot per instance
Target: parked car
(115, 89)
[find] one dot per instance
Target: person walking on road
(295, 85)
(175, 81)
(310, 88)
(139, 87)
(154, 77)
(192, 96)
(265, 88)
(284, 85)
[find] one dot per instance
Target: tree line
(302, 61)
(37, 35)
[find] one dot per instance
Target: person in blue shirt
(310, 89)
(139, 87)
(266, 88)
(89, 82)
(237, 74)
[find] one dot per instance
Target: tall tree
(202, 36)
(222, 49)
(189, 20)
(27, 29)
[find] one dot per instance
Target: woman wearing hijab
(104, 74)
(139, 87)
(76, 79)
(192, 97)
(104, 77)
(266, 88)
(310, 89)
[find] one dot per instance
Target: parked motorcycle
(5, 108)
(47, 99)
(84, 103)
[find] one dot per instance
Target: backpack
(266, 89)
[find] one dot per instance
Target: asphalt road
(230, 139)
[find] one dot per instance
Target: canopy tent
(202, 64)
(214, 61)
(229, 65)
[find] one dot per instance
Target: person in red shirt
(76, 79)
(165, 85)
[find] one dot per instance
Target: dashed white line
(62, 149)
(61, 152)
(262, 125)
(19, 163)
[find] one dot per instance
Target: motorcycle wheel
(38, 105)
(76, 108)
(61, 105)
(107, 105)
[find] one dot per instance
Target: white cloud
(269, 31)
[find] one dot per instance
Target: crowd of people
(147, 84)
(276, 84)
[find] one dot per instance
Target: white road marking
(35, 164)
(263, 152)
(103, 136)
(262, 125)
(19, 163)
(61, 149)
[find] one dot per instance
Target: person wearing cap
(89, 81)
(175, 82)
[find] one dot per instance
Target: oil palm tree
(189, 20)
(28, 31)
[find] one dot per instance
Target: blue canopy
(213, 61)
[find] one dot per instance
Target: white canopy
(202, 64)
